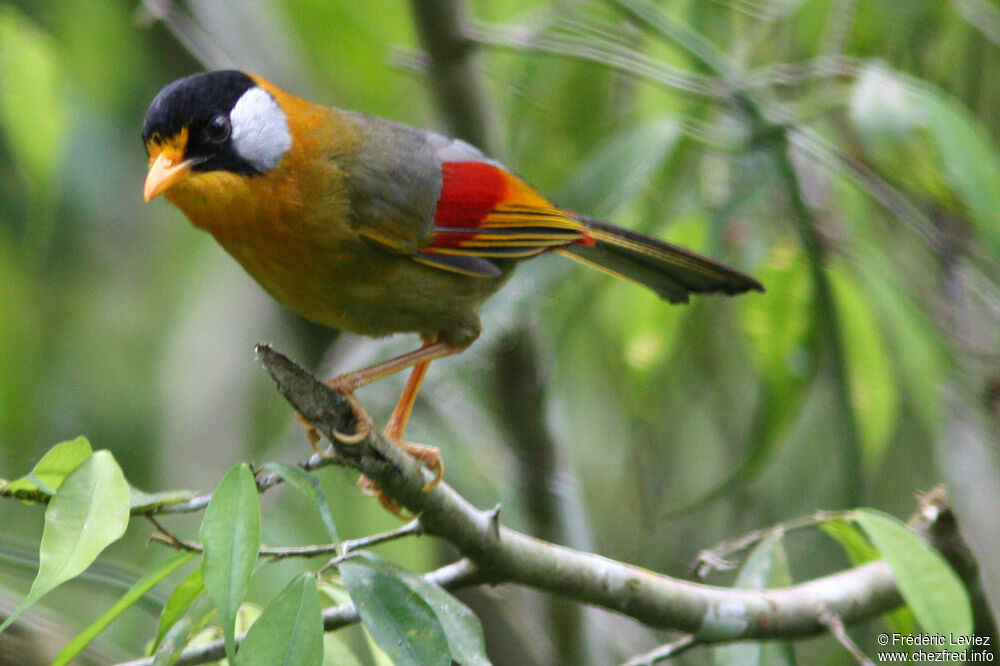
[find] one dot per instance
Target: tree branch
(939, 525)
(503, 555)
(663, 652)
(836, 627)
(495, 554)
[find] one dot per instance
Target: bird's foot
(312, 435)
(362, 419)
(429, 455)
(369, 488)
(363, 423)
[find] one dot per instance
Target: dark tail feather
(670, 270)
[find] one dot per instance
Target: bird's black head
(217, 121)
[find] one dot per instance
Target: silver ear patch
(260, 131)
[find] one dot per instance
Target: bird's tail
(671, 271)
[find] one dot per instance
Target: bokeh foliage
(677, 426)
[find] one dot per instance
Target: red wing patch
(485, 211)
(469, 191)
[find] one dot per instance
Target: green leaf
(136, 592)
(308, 485)
(178, 636)
(902, 621)
(919, 352)
(142, 502)
(765, 567)
(930, 587)
(289, 631)
(179, 601)
(969, 160)
(337, 651)
(87, 513)
(462, 629)
(616, 173)
(929, 143)
(859, 550)
(49, 472)
(31, 110)
(778, 326)
(399, 620)
(230, 536)
(874, 396)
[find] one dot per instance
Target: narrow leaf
(136, 592)
(308, 485)
(617, 171)
(178, 636)
(89, 512)
(49, 472)
(289, 631)
(179, 601)
(401, 622)
(461, 627)
(337, 650)
(858, 549)
(930, 587)
(778, 327)
(918, 350)
(31, 109)
(874, 395)
(230, 536)
(928, 142)
(766, 566)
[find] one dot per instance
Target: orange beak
(165, 172)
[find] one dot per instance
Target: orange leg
(347, 383)
(351, 381)
(401, 415)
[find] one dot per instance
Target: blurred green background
(596, 414)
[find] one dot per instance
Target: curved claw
(432, 484)
(312, 436)
(428, 455)
(369, 488)
(356, 437)
(364, 423)
(322, 453)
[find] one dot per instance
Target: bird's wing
(394, 183)
(446, 204)
(485, 212)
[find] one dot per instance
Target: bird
(377, 228)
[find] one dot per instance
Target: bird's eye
(217, 129)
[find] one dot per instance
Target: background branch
(442, 26)
(551, 498)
